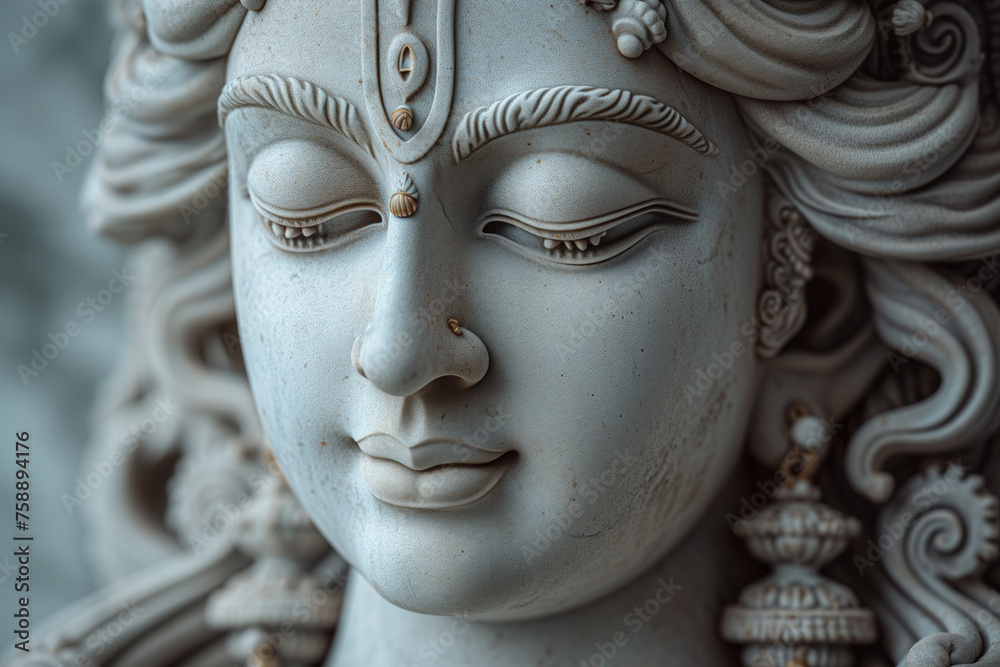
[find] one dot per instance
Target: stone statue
(620, 332)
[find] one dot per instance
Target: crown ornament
(636, 25)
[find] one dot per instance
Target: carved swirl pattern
(922, 315)
(769, 49)
(787, 255)
(205, 490)
(906, 167)
(951, 531)
(946, 51)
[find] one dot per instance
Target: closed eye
(330, 232)
(586, 242)
(311, 197)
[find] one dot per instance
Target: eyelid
(586, 228)
(553, 192)
(311, 216)
(301, 183)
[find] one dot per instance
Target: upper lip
(426, 453)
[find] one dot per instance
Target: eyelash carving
(302, 238)
(578, 244)
(331, 232)
(582, 243)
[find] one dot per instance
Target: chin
(502, 591)
(447, 572)
(439, 592)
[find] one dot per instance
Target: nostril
(356, 356)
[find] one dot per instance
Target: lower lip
(437, 488)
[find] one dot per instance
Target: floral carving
(787, 254)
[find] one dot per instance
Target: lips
(432, 475)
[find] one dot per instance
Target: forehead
(500, 48)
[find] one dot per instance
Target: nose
(416, 335)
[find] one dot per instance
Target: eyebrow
(296, 98)
(564, 104)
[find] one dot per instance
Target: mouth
(433, 475)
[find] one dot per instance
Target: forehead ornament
(402, 118)
(411, 65)
(394, 77)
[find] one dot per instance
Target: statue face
(573, 424)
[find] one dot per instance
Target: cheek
(643, 358)
(298, 317)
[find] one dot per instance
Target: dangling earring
(796, 617)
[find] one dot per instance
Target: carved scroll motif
(939, 535)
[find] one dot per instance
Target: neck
(665, 616)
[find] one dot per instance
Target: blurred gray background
(49, 264)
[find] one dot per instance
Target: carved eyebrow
(296, 98)
(564, 104)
